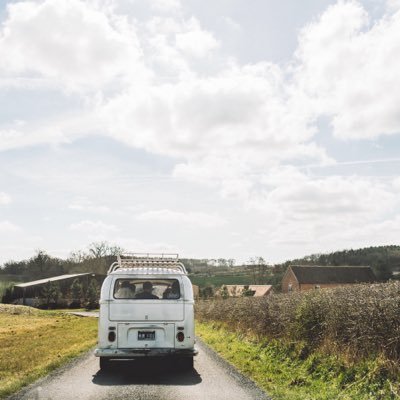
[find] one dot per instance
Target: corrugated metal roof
(52, 279)
(333, 274)
(147, 271)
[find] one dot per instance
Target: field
(30, 343)
(219, 280)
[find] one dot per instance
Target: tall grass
(361, 321)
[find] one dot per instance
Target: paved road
(212, 378)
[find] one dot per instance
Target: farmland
(31, 343)
(219, 280)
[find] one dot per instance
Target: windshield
(135, 289)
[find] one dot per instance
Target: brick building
(306, 277)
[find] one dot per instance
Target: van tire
(104, 363)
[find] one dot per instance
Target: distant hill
(384, 260)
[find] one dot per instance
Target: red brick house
(306, 277)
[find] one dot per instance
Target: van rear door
(145, 310)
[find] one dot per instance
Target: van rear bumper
(133, 353)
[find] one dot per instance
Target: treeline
(97, 259)
(384, 260)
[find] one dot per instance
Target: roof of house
(333, 274)
(260, 290)
(52, 279)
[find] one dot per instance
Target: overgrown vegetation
(360, 322)
(285, 372)
(30, 343)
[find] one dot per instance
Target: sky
(216, 129)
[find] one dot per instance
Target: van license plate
(146, 335)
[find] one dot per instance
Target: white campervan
(146, 310)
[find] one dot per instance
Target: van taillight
(180, 336)
(111, 336)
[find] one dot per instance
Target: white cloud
(84, 204)
(135, 245)
(393, 5)
(5, 198)
(97, 228)
(323, 214)
(8, 227)
(163, 86)
(165, 5)
(196, 42)
(348, 70)
(396, 185)
(73, 42)
(177, 217)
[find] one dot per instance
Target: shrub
(360, 320)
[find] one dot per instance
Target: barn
(30, 293)
(305, 277)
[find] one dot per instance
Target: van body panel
(142, 310)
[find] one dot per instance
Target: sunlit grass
(33, 342)
(284, 372)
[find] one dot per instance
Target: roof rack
(147, 260)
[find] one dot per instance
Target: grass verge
(34, 342)
(286, 371)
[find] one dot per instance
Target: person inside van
(172, 292)
(126, 290)
(147, 292)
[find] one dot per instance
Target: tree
(76, 293)
(103, 249)
(38, 263)
(224, 292)
(259, 270)
(207, 292)
(234, 291)
(51, 294)
(8, 295)
(222, 262)
(247, 292)
(92, 295)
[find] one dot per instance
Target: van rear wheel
(104, 363)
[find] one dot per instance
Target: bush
(360, 320)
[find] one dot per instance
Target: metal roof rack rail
(147, 260)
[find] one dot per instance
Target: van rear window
(147, 289)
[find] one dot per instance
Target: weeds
(360, 321)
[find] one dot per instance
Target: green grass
(285, 371)
(30, 343)
(219, 280)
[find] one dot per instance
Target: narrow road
(212, 378)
